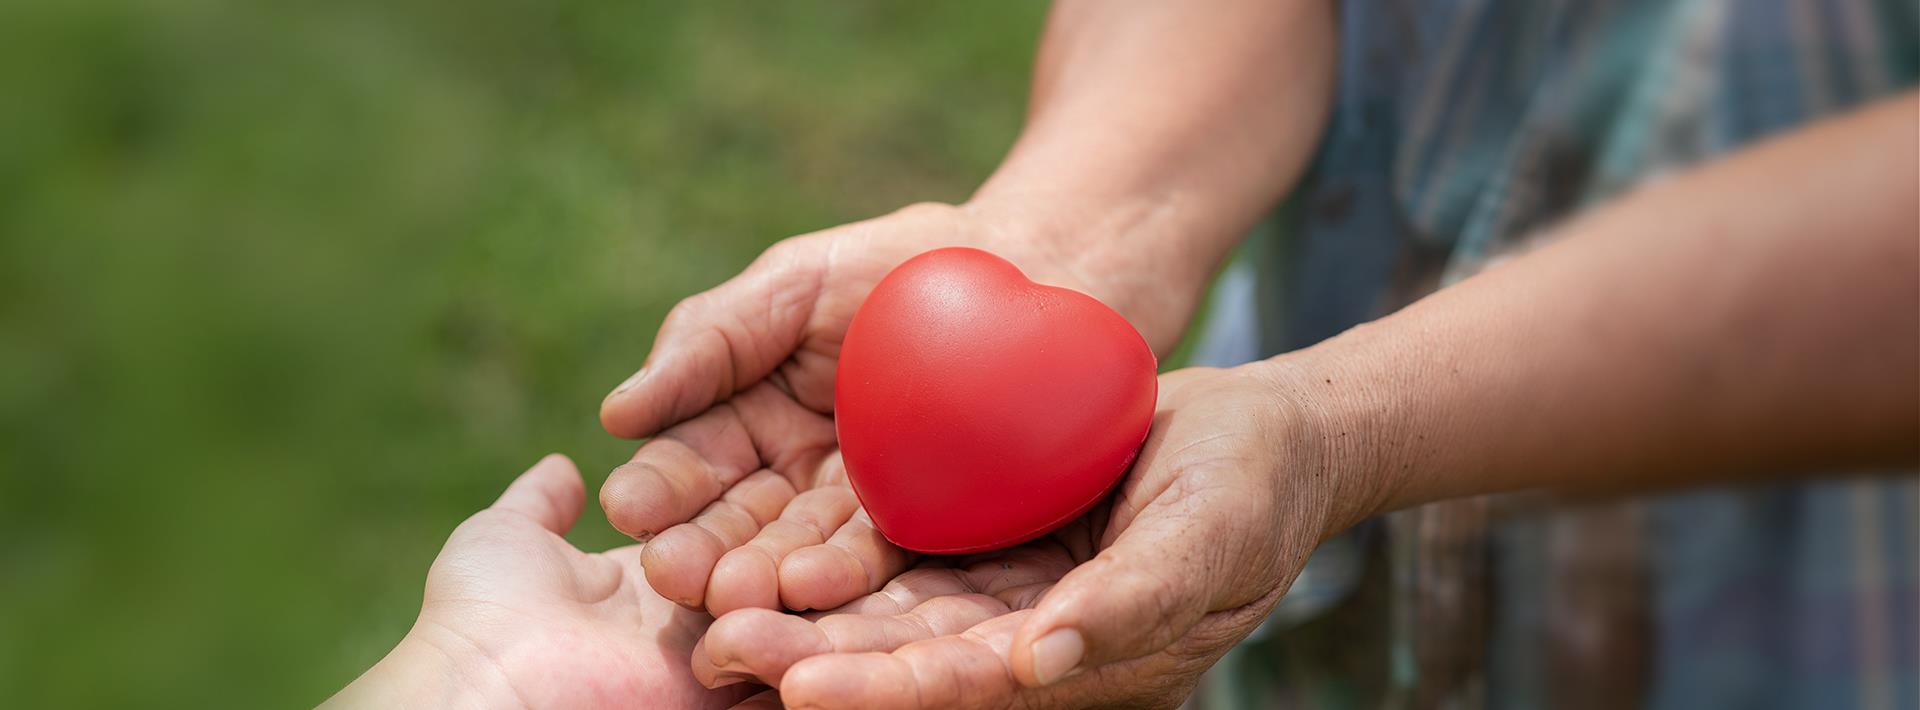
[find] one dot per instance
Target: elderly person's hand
(1127, 605)
(741, 490)
(1566, 370)
(737, 393)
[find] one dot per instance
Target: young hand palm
(512, 610)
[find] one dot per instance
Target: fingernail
(1057, 654)
(632, 380)
(723, 680)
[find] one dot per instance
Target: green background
(287, 290)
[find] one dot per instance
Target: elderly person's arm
(1158, 133)
(1757, 317)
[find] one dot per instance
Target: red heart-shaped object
(977, 409)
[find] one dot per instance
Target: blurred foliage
(289, 289)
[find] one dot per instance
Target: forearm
(1757, 316)
(1164, 130)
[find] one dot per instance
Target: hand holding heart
(741, 487)
(977, 409)
(1125, 606)
(745, 493)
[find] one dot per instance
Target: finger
(764, 700)
(768, 641)
(1016, 577)
(856, 560)
(761, 644)
(905, 592)
(749, 575)
(678, 473)
(551, 493)
(1162, 575)
(677, 562)
(963, 670)
(717, 342)
(675, 475)
(754, 644)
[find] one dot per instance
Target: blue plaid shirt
(1462, 128)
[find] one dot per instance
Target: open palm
(741, 490)
(521, 612)
(1197, 546)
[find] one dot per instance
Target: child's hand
(514, 615)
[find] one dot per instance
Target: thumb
(551, 494)
(1175, 564)
(716, 343)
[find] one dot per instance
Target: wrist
(1163, 229)
(1339, 441)
(1142, 255)
(423, 672)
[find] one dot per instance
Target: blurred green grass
(287, 290)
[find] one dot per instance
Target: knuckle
(1161, 600)
(1156, 608)
(1127, 612)
(785, 252)
(477, 525)
(488, 527)
(687, 312)
(927, 208)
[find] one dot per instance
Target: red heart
(977, 409)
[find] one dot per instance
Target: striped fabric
(1462, 129)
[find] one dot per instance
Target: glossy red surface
(977, 409)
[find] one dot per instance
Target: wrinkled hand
(741, 489)
(1126, 606)
(515, 615)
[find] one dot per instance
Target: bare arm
(1157, 134)
(1165, 130)
(1761, 315)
